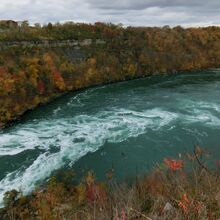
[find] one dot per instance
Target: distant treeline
(34, 74)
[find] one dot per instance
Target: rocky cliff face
(51, 44)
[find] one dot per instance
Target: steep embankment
(38, 64)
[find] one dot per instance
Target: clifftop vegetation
(39, 63)
(169, 192)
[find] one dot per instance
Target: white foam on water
(29, 136)
(78, 99)
(15, 143)
(76, 137)
(82, 134)
(57, 110)
(207, 105)
(203, 112)
(203, 117)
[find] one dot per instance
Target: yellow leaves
(90, 178)
(8, 115)
(92, 75)
(143, 59)
(91, 72)
(6, 86)
(32, 65)
(78, 84)
(36, 100)
(130, 69)
(67, 67)
(33, 70)
(5, 115)
(48, 59)
(17, 108)
(92, 61)
(32, 61)
(81, 192)
(33, 80)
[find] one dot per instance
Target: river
(127, 126)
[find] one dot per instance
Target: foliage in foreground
(168, 192)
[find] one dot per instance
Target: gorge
(127, 126)
(103, 97)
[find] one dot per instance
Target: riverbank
(59, 94)
(168, 192)
(40, 62)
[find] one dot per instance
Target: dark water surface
(128, 126)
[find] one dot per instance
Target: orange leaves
(59, 82)
(184, 203)
(92, 61)
(174, 164)
(190, 206)
(58, 79)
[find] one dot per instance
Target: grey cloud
(141, 4)
(128, 12)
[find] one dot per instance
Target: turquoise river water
(127, 126)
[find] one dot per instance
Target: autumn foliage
(32, 74)
(174, 164)
(162, 194)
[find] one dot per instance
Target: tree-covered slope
(40, 63)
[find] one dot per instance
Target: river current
(127, 126)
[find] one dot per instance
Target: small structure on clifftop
(6, 24)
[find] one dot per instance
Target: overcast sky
(128, 12)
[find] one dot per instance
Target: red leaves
(57, 75)
(174, 164)
(2, 70)
(95, 192)
(41, 87)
